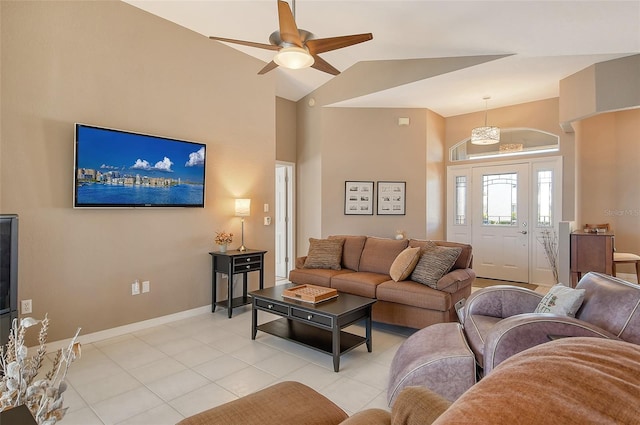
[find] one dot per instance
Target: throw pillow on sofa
(404, 264)
(434, 263)
(324, 254)
(561, 300)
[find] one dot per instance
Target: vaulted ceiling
(533, 44)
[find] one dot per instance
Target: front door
(501, 222)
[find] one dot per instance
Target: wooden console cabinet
(591, 252)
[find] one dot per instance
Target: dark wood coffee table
(318, 326)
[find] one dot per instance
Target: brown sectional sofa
(366, 262)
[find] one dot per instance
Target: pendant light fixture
(486, 135)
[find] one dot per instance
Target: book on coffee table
(310, 293)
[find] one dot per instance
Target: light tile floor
(160, 375)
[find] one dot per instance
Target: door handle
(524, 232)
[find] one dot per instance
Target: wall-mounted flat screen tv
(115, 168)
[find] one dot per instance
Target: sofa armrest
(455, 280)
(287, 402)
(502, 301)
(518, 333)
(418, 406)
(300, 262)
(369, 417)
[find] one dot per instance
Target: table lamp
(243, 208)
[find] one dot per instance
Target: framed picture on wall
(358, 198)
(392, 198)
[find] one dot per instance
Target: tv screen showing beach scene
(115, 168)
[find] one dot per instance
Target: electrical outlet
(146, 286)
(135, 288)
(26, 307)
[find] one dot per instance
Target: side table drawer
(239, 268)
(247, 259)
(272, 306)
(316, 318)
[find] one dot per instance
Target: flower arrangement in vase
(223, 239)
(18, 373)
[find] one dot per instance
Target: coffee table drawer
(272, 306)
(316, 318)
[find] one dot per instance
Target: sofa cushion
(359, 283)
(561, 300)
(319, 277)
(413, 294)
(571, 381)
(463, 261)
(378, 254)
(404, 263)
(324, 254)
(352, 250)
(434, 263)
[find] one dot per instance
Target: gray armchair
(499, 321)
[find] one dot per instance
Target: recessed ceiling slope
(550, 40)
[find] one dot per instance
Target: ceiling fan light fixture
(485, 135)
(293, 58)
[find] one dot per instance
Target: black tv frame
(79, 203)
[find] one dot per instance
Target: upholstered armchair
(499, 321)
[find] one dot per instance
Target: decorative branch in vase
(44, 396)
(548, 238)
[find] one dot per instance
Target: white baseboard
(125, 329)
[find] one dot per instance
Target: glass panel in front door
(500, 199)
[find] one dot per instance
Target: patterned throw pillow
(404, 264)
(324, 254)
(434, 263)
(561, 300)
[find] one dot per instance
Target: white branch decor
(43, 396)
(549, 240)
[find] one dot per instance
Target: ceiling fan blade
(247, 43)
(288, 29)
(322, 45)
(324, 66)
(271, 65)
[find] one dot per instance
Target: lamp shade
(293, 58)
(485, 135)
(243, 207)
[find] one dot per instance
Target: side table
(232, 263)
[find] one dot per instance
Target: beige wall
(110, 64)
(353, 144)
(608, 158)
(603, 87)
(285, 130)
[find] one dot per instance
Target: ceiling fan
(296, 47)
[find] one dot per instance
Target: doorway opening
(284, 221)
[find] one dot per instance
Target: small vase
(223, 248)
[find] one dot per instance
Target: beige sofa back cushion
(351, 250)
(464, 259)
(378, 254)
